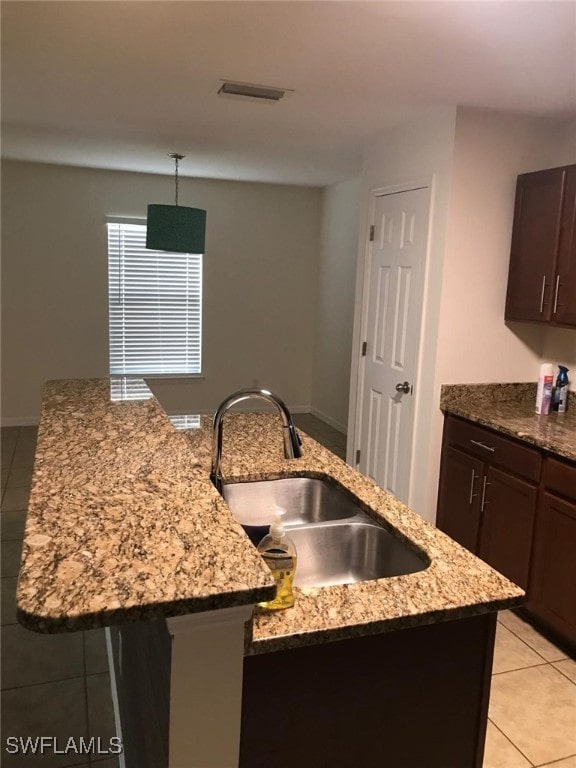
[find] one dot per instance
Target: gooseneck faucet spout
(292, 443)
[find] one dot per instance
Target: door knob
(404, 387)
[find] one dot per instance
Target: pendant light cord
(176, 157)
(176, 161)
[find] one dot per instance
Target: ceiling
(119, 84)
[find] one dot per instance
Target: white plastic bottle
(279, 554)
(544, 393)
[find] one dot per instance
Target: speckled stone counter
(509, 408)
(124, 524)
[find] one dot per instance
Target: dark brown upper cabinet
(542, 274)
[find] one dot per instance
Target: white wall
(407, 152)
(335, 303)
(260, 279)
(491, 150)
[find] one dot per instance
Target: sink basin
(343, 553)
(336, 541)
(304, 499)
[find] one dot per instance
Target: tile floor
(59, 685)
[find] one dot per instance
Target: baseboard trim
(299, 409)
(328, 419)
(19, 421)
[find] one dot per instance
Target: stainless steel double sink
(336, 540)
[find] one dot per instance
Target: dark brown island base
(416, 697)
(413, 698)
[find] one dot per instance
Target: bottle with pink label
(544, 392)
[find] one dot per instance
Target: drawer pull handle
(472, 479)
(484, 501)
(482, 445)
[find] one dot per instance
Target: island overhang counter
(125, 529)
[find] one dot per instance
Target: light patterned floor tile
(512, 653)
(536, 709)
(500, 753)
(567, 667)
(531, 636)
(570, 762)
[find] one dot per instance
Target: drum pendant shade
(175, 228)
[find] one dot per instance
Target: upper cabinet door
(564, 298)
(535, 239)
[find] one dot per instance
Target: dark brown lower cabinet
(507, 525)
(552, 593)
(459, 501)
(515, 508)
(482, 502)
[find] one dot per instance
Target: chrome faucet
(292, 443)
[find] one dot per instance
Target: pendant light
(176, 228)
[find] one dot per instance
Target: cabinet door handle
(482, 445)
(484, 501)
(542, 293)
(472, 479)
(556, 294)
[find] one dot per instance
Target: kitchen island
(125, 529)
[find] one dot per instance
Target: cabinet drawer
(498, 450)
(559, 476)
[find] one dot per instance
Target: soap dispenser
(279, 553)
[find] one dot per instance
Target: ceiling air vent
(265, 92)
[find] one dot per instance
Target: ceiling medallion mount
(252, 90)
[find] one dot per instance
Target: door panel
(565, 290)
(375, 426)
(401, 317)
(535, 235)
(553, 574)
(381, 298)
(393, 309)
(459, 497)
(508, 522)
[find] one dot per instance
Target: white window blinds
(155, 306)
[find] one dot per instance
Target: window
(155, 305)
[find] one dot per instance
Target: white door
(393, 295)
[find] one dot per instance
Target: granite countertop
(510, 409)
(124, 524)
